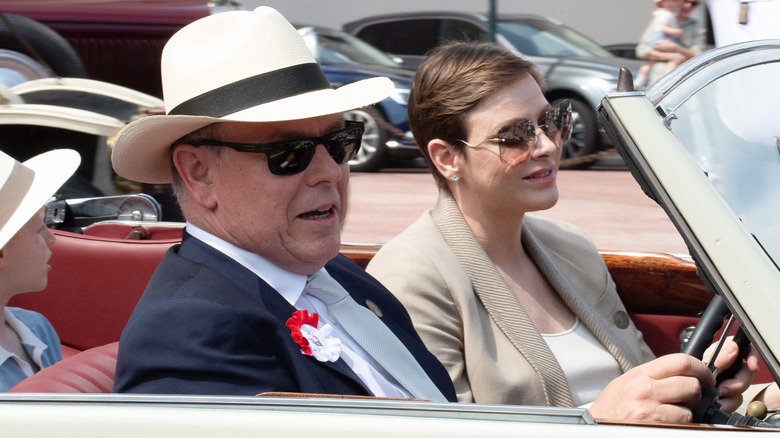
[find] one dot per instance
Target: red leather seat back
(90, 371)
(94, 285)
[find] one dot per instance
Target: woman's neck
(499, 235)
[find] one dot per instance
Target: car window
(341, 48)
(459, 30)
(740, 149)
(547, 38)
(406, 37)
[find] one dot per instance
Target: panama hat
(237, 66)
(25, 187)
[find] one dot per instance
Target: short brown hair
(453, 79)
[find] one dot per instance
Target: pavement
(605, 201)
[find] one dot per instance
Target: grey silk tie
(374, 336)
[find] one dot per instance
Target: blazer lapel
(500, 303)
(283, 310)
(562, 282)
(199, 252)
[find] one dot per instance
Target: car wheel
(584, 139)
(53, 49)
(373, 150)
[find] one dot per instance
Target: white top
(664, 16)
(291, 287)
(762, 16)
(587, 365)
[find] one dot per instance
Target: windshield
(739, 150)
(547, 38)
(341, 48)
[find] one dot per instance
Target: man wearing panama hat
(256, 148)
(27, 341)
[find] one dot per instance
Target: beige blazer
(491, 355)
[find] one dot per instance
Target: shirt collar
(289, 284)
(31, 343)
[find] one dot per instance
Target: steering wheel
(708, 410)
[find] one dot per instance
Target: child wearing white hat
(28, 342)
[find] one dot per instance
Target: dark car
(76, 72)
(345, 59)
(116, 41)
(576, 68)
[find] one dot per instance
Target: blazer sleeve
(194, 346)
(418, 280)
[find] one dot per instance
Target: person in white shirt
(735, 21)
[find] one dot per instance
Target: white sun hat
(25, 187)
(245, 66)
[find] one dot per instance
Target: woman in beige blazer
(520, 309)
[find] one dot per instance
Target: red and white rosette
(313, 341)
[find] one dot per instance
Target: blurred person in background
(735, 21)
(665, 27)
(691, 43)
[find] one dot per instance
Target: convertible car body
(99, 273)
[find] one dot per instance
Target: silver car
(576, 68)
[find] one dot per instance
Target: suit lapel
(199, 252)
(500, 303)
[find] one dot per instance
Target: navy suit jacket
(207, 325)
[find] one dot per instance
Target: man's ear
(3, 258)
(444, 157)
(195, 166)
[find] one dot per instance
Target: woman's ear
(444, 157)
(195, 166)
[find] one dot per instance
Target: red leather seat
(90, 371)
(94, 285)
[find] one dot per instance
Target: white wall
(605, 21)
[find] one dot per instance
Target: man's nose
(324, 167)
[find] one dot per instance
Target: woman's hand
(731, 390)
(665, 389)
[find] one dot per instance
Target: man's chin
(315, 256)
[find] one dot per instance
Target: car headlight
(400, 95)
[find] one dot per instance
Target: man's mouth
(321, 213)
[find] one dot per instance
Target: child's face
(27, 255)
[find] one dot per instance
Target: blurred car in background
(116, 41)
(622, 50)
(72, 73)
(576, 68)
(345, 59)
(121, 41)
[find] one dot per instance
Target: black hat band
(253, 91)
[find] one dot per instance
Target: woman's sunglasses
(516, 141)
(288, 157)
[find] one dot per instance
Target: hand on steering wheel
(709, 409)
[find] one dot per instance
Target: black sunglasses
(693, 3)
(288, 157)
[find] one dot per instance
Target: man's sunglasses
(693, 3)
(288, 157)
(516, 141)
